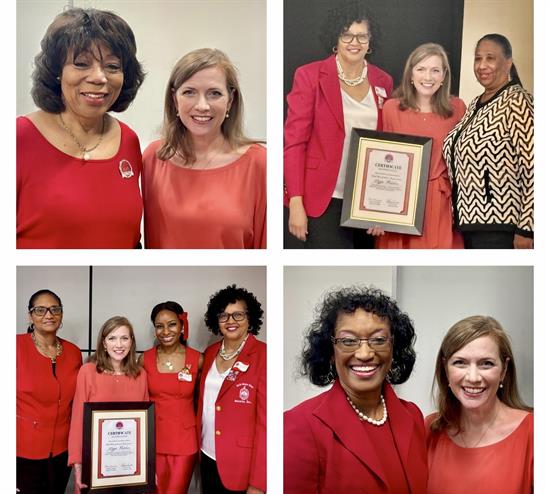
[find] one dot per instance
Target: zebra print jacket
(489, 154)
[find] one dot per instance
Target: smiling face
(91, 82)
(202, 102)
(354, 51)
(474, 373)
(168, 328)
(428, 76)
(234, 331)
(48, 323)
(117, 344)
(491, 67)
(362, 373)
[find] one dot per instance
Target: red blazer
(326, 449)
(240, 417)
(314, 131)
(44, 400)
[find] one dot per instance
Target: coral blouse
(175, 424)
(505, 467)
(218, 208)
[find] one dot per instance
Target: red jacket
(44, 400)
(240, 417)
(327, 451)
(314, 131)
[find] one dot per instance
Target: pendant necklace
(85, 152)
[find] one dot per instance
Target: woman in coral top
(481, 438)
(423, 106)
(47, 367)
(232, 397)
(204, 182)
(112, 374)
(172, 372)
(77, 166)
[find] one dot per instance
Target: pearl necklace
(228, 356)
(363, 416)
(85, 152)
(44, 351)
(351, 82)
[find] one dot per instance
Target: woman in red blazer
(359, 436)
(172, 370)
(47, 367)
(329, 98)
(232, 397)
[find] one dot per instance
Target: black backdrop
(402, 26)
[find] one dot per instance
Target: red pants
(174, 473)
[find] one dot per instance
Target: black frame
(363, 138)
(128, 406)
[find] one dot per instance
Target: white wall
(132, 291)
(165, 30)
(435, 298)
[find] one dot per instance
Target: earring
(369, 51)
(60, 326)
(58, 78)
(412, 82)
(227, 114)
(334, 49)
(501, 385)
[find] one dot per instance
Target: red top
(65, 202)
(314, 131)
(328, 450)
(44, 399)
(438, 222)
(240, 417)
(175, 423)
(505, 467)
(92, 386)
(218, 208)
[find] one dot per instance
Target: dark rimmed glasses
(237, 316)
(350, 344)
(362, 38)
(40, 311)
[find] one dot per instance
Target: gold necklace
(167, 362)
(85, 152)
(482, 435)
(44, 351)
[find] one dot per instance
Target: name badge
(380, 91)
(241, 366)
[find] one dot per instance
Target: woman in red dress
(172, 372)
(423, 106)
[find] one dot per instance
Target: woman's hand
(521, 242)
(376, 231)
(78, 478)
(253, 490)
(297, 218)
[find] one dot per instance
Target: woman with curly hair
(328, 98)
(232, 396)
(358, 436)
(112, 374)
(78, 167)
(481, 418)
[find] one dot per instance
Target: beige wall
(513, 19)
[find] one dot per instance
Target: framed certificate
(118, 447)
(386, 180)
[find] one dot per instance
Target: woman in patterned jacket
(490, 155)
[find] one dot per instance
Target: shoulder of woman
(150, 151)
(428, 420)
(391, 104)
(457, 103)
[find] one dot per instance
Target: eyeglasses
(237, 316)
(362, 38)
(55, 310)
(349, 345)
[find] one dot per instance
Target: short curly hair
(229, 295)
(73, 32)
(341, 16)
(317, 362)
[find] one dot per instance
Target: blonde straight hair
(406, 92)
(176, 137)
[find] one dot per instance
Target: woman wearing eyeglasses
(172, 370)
(47, 367)
(232, 396)
(329, 98)
(358, 436)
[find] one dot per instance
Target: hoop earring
(334, 49)
(369, 51)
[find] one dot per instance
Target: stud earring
(501, 385)
(227, 114)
